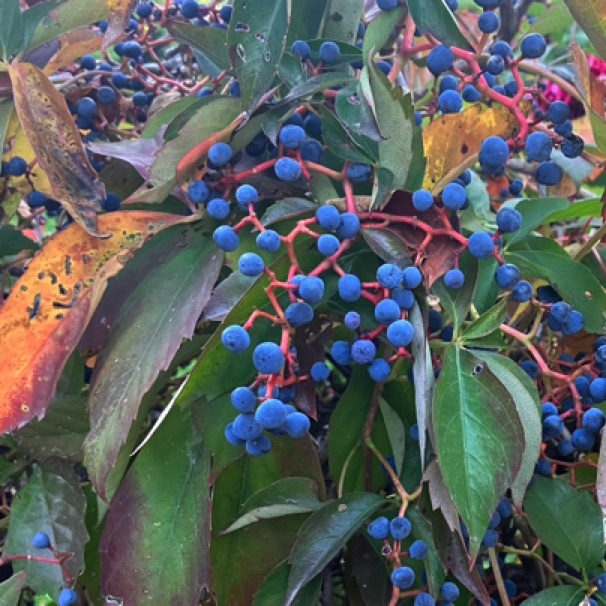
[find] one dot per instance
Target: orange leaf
(118, 18)
(74, 45)
(49, 307)
(453, 142)
(53, 135)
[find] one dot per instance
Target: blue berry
(553, 426)
(312, 151)
(189, 9)
(86, 108)
(88, 62)
(198, 192)
(549, 173)
(594, 420)
(120, 80)
(440, 60)
(531, 368)
(558, 112)
(225, 13)
(296, 425)
(454, 279)
(418, 550)
(251, 264)
(572, 147)
(257, 447)
(311, 289)
(560, 311)
(301, 49)
(533, 46)
(291, 136)
(352, 320)
(600, 354)
(597, 389)
(489, 22)
(422, 200)
(328, 245)
(507, 276)
(424, 599)
(400, 528)
(341, 353)
(450, 102)
(387, 311)
(450, 591)
(403, 297)
(494, 152)
(330, 52)
(349, 226)
(573, 324)
(16, 167)
(106, 95)
(495, 66)
(489, 4)
(583, 439)
(131, 49)
(271, 414)
(400, 333)
(313, 126)
(287, 169)
(601, 583)
(246, 194)
(379, 529)
(144, 9)
(235, 339)
(379, 370)
(363, 351)
(403, 577)
(350, 288)
(220, 154)
(41, 541)
(388, 5)
(218, 209)
(268, 358)
(471, 94)
(319, 372)
(359, 173)
(389, 276)
(502, 48)
(231, 437)
(111, 202)
(243, 399)
(36, 200)
(448, 83)
(481, 246)
(68, 597)
(509, 220)
(539, 147)
(505, 509)
(412, 278)
(299, 314)
(549, 409)
(522, 293)
(269, 241)
(328, 217)
(454, 196)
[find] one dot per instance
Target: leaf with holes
(53, 135)
(479, 438)
(50, 306)
(51, 502)
(341, 20)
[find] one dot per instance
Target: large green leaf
(563, 595)
(155, 547)
(479, 438)
(284, 497)
(11, 28)
(536, 212)
(183, 265)
(487, 323)
(354, 111)
(380, 29)
(244, 558)
(10, 590)
(324, 534)
(487, 289)
(306, 20)
(544, 258)
(435, 18)
(318, 84)
(215, 114)
(341, 20)
(568, 521)
(210, 41)
(273, 590)
(256, 40)
(395, 114)
(591, 16)
(51, 502)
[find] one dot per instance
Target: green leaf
(323, 534)
(11, 28)
(162, 310)
(291, 71)
(396, 432)
(457, 302)
(348, 52)
(288, 208)
(569, 522)
(285, 497)
(273, 590)
(10, 590)
(578, 210)
(243, 559)
(367, 572)
(388, 246)
(216, 114)
(478, 438)
(591, 16)
(418, 164)
(51, 502)
(380, 29)
(96, 511)
(7, 107)
(524, 394)
(256, 39)
(536, 212)
(341, 20)
(543, 258)
(487, 289)
(13, 242)
(167, 114)
(305, 20)
(317, 84)
(487, 323)
(353, 110)
(162, 507)
(564, 595)
(211, 42)
(436, 19)
(395, 114)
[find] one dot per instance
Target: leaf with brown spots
(74, 45)
(452, 142)
(50, 306)
(118, 18)
(53, 135)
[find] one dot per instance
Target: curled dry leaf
(53, 135)
(73, 46)
(119, 12)
(50, 306)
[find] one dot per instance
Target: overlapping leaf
(119, 12)
(49, 307)
(591, 16)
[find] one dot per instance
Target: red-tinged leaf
(72, 46)
(155, 547)
(53, 135)
(118, 18)
(159, 313)
(49, 307)
(441, 252)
